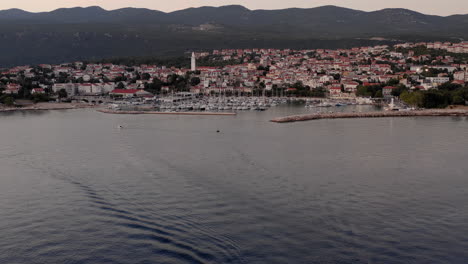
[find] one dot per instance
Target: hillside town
(369, 72)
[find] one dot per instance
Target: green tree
(378, 94)
(412, 98)
(399, 89)
(145, 76)
(458, 100)
(195, 81)
(62, 93)
(9, 101)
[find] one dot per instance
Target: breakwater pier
(418, 113)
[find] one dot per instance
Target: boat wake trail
(119, 217)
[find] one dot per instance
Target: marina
(188, 102)
(122, 112)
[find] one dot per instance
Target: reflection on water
(168, 189)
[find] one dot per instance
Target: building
(127, 93)
(387, 91)
(194, 62)
(335, 91)
(70, 88)
(437, 80)
(85, 88)
(12, 88)
(37, 91)
(350, 87)
(459, 76)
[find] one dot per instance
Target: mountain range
(69, 34)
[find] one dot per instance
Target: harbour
(123, 112)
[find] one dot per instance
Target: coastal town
(429, 75)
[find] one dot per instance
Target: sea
(80, 186)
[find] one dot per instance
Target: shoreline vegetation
(418, 113)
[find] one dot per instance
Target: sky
(434, 7)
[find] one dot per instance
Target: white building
(70, 88)
(85, 88)
(437, 80)
(459, 76)
(194, 62)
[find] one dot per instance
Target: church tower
(194, 62)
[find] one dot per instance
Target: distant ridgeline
(93, 33)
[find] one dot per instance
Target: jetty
(124, 112)
(417, 113)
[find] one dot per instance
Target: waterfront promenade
(419, 113)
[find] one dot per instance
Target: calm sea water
(168, 189)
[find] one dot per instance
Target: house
(143, 93)
(335, 91)
(351, 86)
(12, 88)
(387, 91)
(37, 91)
(459, 76)
(458, 82)
(125, 92)
(370, 84)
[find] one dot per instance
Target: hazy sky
(437, 7)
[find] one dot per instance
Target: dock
(123, 112)
(420, 113)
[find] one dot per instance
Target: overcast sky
(436, 7)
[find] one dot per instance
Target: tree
(120, 85)
(458, 100)
(393, 82)
(145, 76)
(399, 89)
(436, 99)
(154, 87)
(9, 101)
(40, 98)
(62, 93)
(448, 86)
(412, 98)
(195, 81)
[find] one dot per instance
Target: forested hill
(89, 33)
